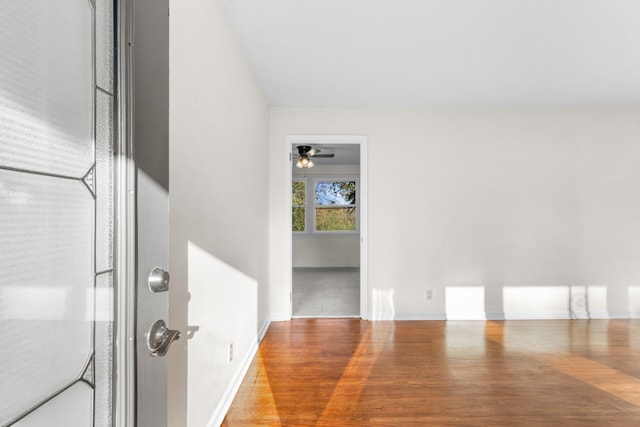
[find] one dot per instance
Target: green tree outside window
(298, 191)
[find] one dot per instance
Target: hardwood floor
(349, 372)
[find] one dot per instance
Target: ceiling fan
(306, 153)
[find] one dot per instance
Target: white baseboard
(263, 331)
(234, 385)
(495, 315)
(524, 315)
(420, 316)
(535, 315)
(478, 315)
(598, 315)
(623, 315)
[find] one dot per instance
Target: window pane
(297, 201)
(331, 193)
(297, 193)
(335, 206)
(336, 218)
(298, 219)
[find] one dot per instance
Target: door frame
(141, 180)
(360, 140)
(124, 401)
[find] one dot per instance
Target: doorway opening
(328, 216)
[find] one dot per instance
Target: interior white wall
(210, 367)
(530, 199)
(218, 199)
(310, 250)
(334, 251)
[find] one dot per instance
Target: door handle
(160, 337)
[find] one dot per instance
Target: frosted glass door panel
(56, 413)
(57, 278)
(46, 287)
(46, 86)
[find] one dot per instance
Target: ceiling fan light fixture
(304, 162)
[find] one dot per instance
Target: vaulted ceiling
(442, 53)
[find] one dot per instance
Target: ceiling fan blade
(307, 150)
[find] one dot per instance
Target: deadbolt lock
(158, 280)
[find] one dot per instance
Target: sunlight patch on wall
(223, 311)
(465, 303)
(383, 306)
(555, 302)
(588, 302)
(535, 302)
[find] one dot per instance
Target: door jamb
(124, 390)
(361, 140)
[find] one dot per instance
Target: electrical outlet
(230, 353)
(429, 294)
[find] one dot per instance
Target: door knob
(160, 337)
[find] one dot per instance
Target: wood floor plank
(349, 372)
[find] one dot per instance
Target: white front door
(83, 211)
(149, 106)
(57, 223)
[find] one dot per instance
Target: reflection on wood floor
(350, 372)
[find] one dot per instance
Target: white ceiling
(440, 53)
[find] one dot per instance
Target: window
(298, 198)
(335, 205)
(324, 205)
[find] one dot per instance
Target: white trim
(364, 221)
(623, 315)
(290, 141)
(538, 315)
(287, 261)
(263, 331)
(472, 315)
(234, 385)
(420, 316)
(596, 315)
(124, 369)
(495, 315)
